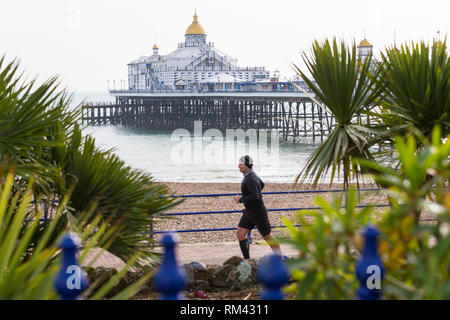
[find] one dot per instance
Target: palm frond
(416, 79)
(343, 84)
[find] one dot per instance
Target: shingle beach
(230, 220)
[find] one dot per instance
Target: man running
(255, 212)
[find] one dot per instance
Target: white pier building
(195, 64)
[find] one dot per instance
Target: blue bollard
(45, 211)
(273, 274)
(170, 279)
(369, 269)
(70, 281)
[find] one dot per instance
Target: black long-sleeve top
(251, 187)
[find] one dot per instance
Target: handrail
(276, 210)
(272, 192)
(240, 211)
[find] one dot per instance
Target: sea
(184, 156)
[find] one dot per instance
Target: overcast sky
(87, 42)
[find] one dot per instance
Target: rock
(97, 277)
(192, 269)
(206, 274)
(104, 274)
(254, 265)
(245, 271)
(90, 273)
(189, 273)
(243, 276)
(198, 275)
(100, 276)
(236, 274)
(233, 261)
(197, 265)
(221, 277)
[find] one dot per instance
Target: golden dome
(155, 47)
(365, 43)
(195, 27)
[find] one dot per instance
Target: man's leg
(243, 241)
(270, 239)
(266, 232)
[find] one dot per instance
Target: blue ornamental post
(369, 269)
(151, 230)
(170, 279)
(273, 274)
(45, 211)
(71, 281)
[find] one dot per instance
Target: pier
(294, 114)
(198, 82)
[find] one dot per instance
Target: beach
(230, 220)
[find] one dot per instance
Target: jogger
(255, 212)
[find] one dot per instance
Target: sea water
(156, 152)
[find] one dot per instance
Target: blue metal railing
(276, 210)
(152, 232)
(272, 192)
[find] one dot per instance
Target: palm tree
(121, 193)
(27, 270)
(416, 89)
(343, 87)
(28, 118)
(41, 140)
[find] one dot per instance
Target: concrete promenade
(219, 252)
(208, 253)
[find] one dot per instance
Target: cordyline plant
(27, 270)
(41, 139)
(28, 116)
(415, 82)
(119, 191)
(343, 87)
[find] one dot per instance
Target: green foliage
(416, 88)
(412, 182)
(343, 87)
(40, 139)
(410, 92)
(327, 247)
(121, 193)
(29, 273)
(28, 117)
(416, 255)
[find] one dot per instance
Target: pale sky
(87, 42)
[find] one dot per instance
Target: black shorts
(259, 219)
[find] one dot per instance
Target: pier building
(193, 65)
(198, 82)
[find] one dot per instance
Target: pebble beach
(230, 220)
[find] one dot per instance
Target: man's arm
(253, 197)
